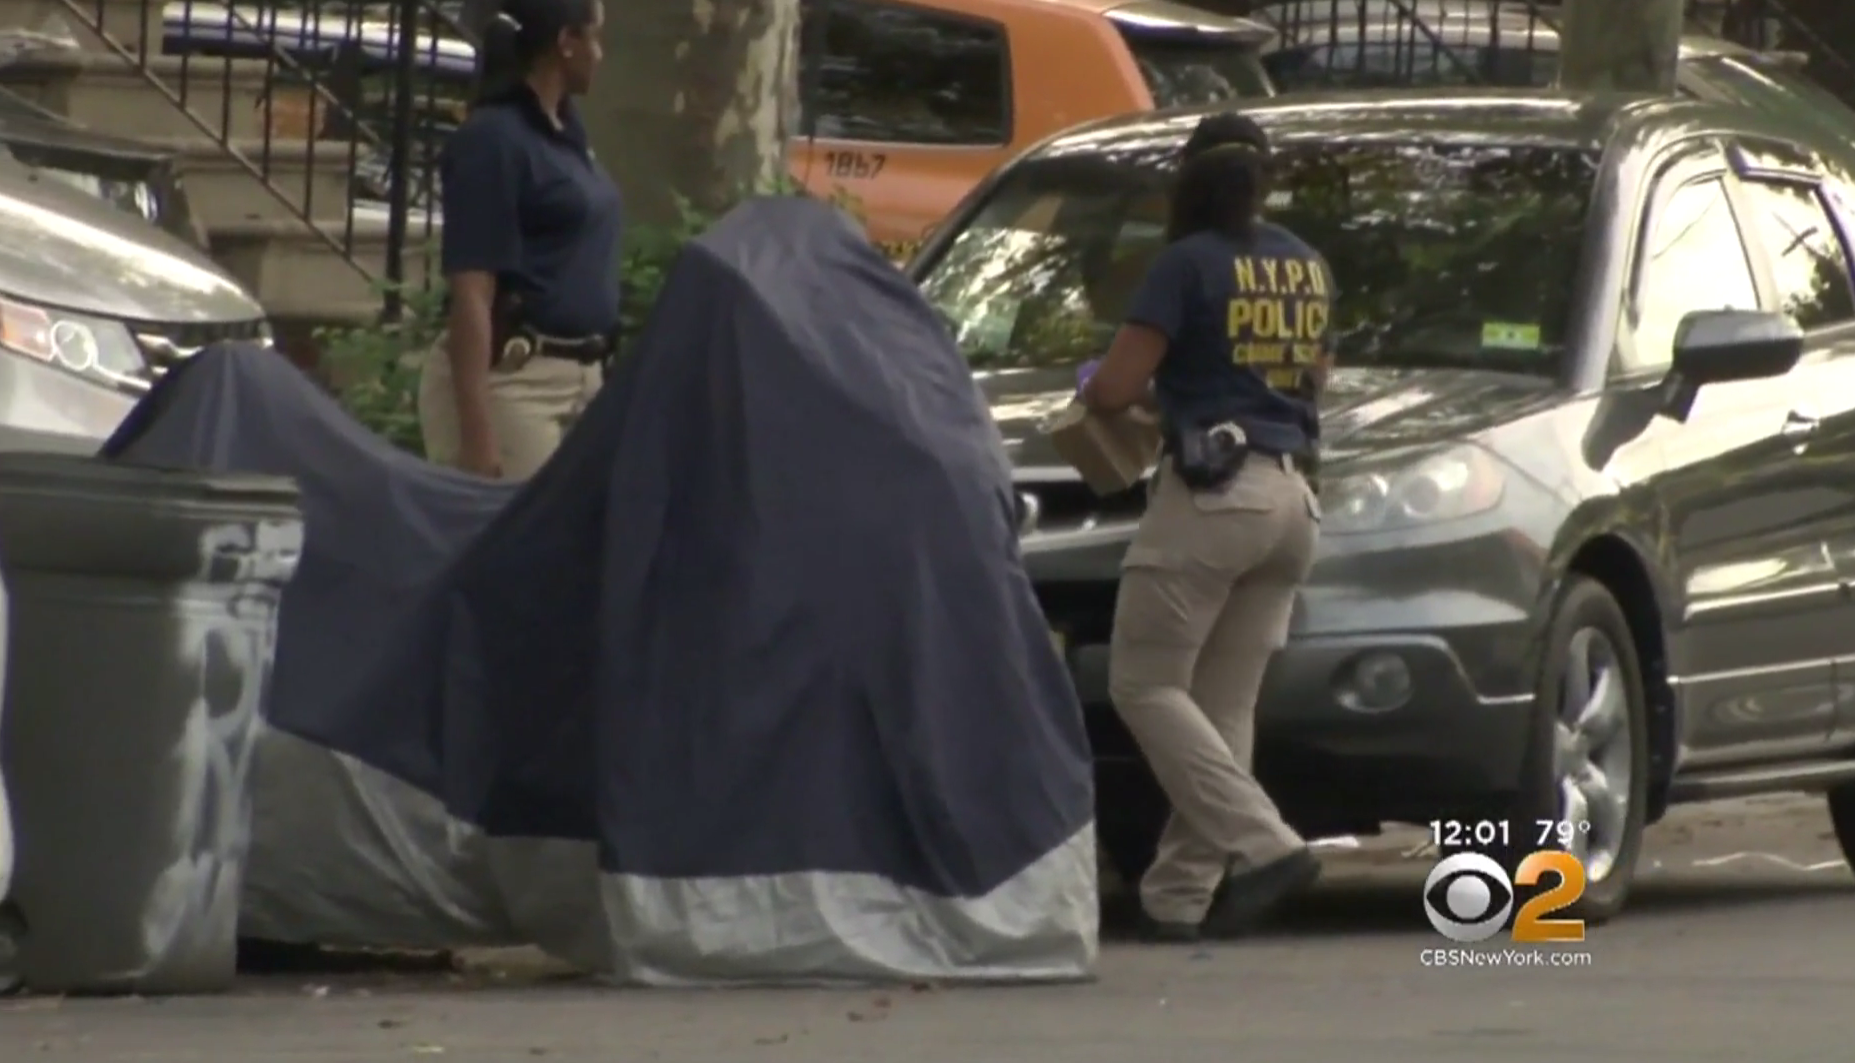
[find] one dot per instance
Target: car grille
(165, 343)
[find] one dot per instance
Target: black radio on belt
(1209, 458)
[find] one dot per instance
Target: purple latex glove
(1084, 372)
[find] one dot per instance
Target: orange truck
(905, 106)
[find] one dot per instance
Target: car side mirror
(1722, 346)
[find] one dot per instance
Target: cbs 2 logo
(1468, 896)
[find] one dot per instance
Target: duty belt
(524, 346)
(1306, 462)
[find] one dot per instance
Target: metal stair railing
(1407, 42)
(1403, 42)
(315, 62)
(1774, 25)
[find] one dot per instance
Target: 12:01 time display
(1461, 833)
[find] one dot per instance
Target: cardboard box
(1113, 453)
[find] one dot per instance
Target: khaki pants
(531, 408)
(1206, 593)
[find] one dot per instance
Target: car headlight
(91, 347)
(1459, 482)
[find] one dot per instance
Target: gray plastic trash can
(9, 960)
(144, 607)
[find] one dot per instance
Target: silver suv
(95, 302)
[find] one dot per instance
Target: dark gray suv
(1589, 544)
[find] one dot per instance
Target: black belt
(526, 344)
(1305, 462)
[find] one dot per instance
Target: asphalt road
(1737, 948)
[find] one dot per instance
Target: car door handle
(1798, 426)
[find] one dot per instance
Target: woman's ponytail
(516, 36)
(500, 60)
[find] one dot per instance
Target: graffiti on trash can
(264, 552)
(243, 568)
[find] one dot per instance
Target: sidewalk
(1762, 943)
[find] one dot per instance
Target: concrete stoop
(312, 179)
(130, 23)
(102, 92)
(253, 222)
(109, 95)
(298, 276)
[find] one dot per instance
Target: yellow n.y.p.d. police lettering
(1272, 318)
(1279, 276)
(1279, 313)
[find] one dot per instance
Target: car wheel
(12, 928)
(1130, 814)
(1842, 817)
(1585, 781)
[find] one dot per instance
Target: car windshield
(1445, 255)
(1180, 71)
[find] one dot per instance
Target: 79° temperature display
(1461, 833)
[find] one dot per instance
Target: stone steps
(129, 23)
(100, 91)
(311, 178)
(297, 275)
(252, 224)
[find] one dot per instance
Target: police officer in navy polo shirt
(532, 225)
(1228, 337)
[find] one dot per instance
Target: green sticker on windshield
(1507, 336)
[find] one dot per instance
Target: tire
(1587, 626)
(12, 929)
(1130, 814)
(1842, 817)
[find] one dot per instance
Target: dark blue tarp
(759, 629)
(381, 524)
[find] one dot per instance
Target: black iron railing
(319, 103)
(1810, 28)
(1398, 43)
